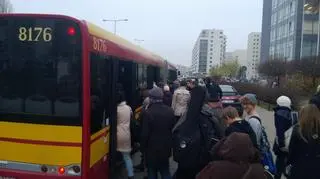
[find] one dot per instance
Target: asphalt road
(267, 120)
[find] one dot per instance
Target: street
(268, 122)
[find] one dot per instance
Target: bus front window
(40, 71)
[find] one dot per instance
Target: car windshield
(227, 90)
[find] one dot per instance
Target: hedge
(270, 95)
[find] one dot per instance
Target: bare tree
(274, 68)
(309, 67)
(5, 6)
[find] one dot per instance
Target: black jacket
(167, 98)
(156, 137)
(213, 88)
(282, 121)
(242, 126)
(315, 100)
(304, 157)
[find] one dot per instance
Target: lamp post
(115, 21)
(138, 40)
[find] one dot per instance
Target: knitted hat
(166, 88)
(249, 98)
(284, 101)
(156, 93)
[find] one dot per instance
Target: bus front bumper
(18, 174)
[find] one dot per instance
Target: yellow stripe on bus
(40, 154)
(99, 148)
(41, 132)
(34, 143)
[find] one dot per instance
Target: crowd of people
(189, 123)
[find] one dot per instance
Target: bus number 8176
(35, 34)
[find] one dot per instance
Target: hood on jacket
(236, 147)
(196, 102)
(283, 112)
(209, 111)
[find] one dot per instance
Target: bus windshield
(40, 70)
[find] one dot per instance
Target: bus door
(103, 115)
(127, 79)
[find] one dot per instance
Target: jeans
(163, 170)
(128, 162)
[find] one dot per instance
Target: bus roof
(130, 48)
(126, 48)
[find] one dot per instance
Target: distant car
(230, 97)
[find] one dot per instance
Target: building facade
(265, 30)
(253, 54)
(208, 51)
(183, 71)
(294, 30)
(310, 29)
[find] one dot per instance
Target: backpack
(267, 158)
(192, 141)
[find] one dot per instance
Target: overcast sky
(168, 27)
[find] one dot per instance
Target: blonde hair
(309, 121)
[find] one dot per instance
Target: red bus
(58, 78)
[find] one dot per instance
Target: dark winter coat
(242, 126)
(199, 130)
(156, 137)
(167, 98)
(282, 121)
(315, 100)
(238, 157)
(304, 157)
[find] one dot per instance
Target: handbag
(287, 138)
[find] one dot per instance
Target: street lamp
(138, 40)
(115, 22)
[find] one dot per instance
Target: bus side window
(98, 93)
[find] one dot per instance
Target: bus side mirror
(179, 73)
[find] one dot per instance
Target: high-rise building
(294, 29)
(208, 51)
(253, 54)
(265, 30)
(310, 28)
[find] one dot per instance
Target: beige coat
(123, 127)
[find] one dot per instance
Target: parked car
(230, 97)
